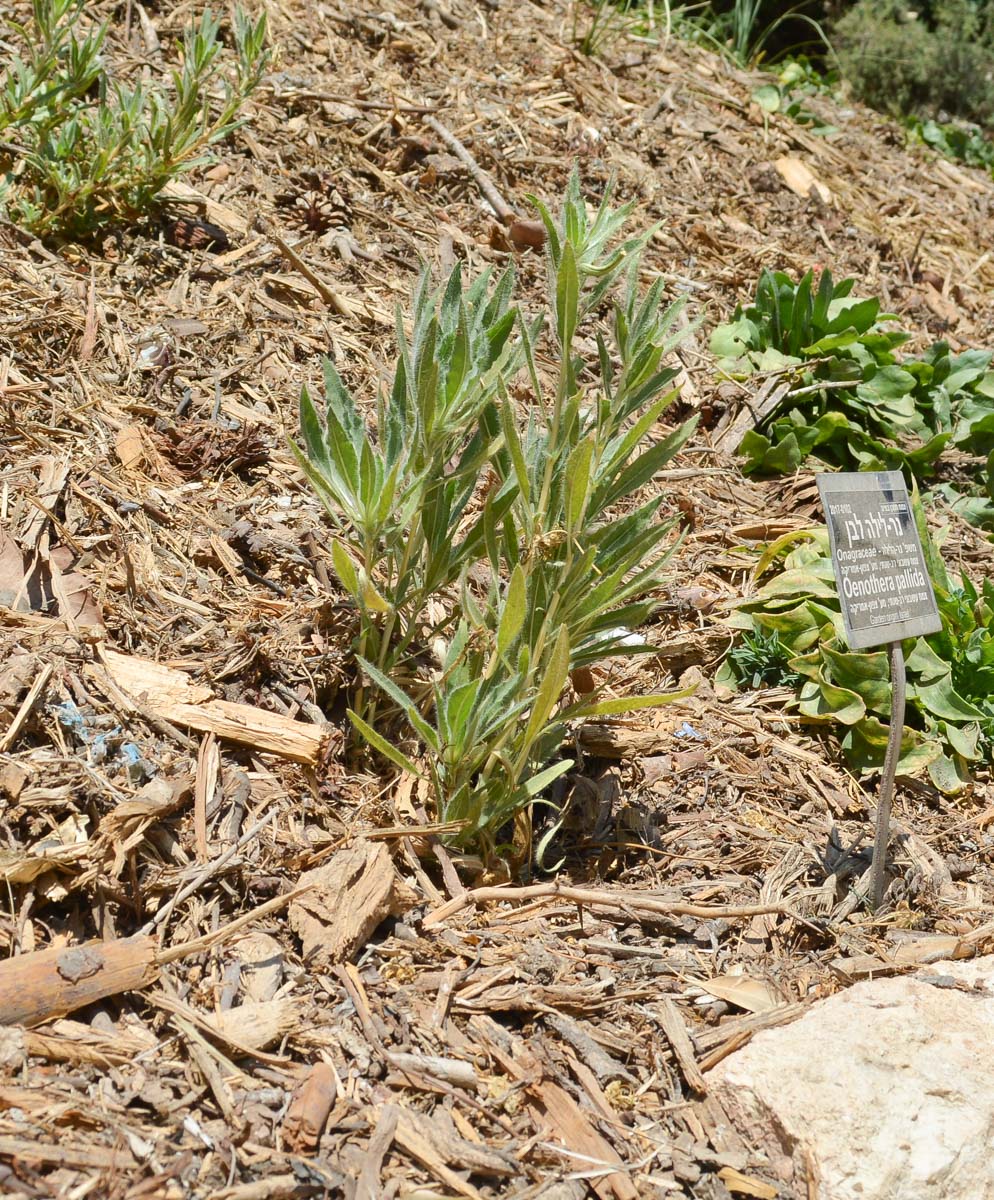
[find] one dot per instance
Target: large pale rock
(883, 1092)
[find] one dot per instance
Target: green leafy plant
(853, 402)
(919, 60)
(963, 143)
(85, 150)
(761, 659)
(795, 80)
(950, 702)
(489, 554)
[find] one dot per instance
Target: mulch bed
(175, 665)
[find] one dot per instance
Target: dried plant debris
(178, 651)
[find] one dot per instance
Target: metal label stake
(886, 596)
(881, 828)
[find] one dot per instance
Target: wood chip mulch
(290, 987)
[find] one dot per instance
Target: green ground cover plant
(963, 143)
(855, 403)
(81, 150)
(950, 692)
(491, 552)
(793, 81)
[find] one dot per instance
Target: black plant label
(880, 568)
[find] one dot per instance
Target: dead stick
(210, 939)
(602, 899)
(335, 300)
(343, 98)
(505, 213)
(30, 700)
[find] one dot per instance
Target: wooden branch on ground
(505, 213)
(43, 985)
(752, 414)
(631, 902)
(36, 987)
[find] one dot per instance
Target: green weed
(84, 150)
(854, 402)
(962, 143)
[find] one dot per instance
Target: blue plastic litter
(103, 745)
(687, 730)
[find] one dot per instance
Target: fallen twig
(335, 300)
(596, 898)
(504, 212)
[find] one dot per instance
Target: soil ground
(550, 1043)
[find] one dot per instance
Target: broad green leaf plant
(489, 552)
(81, 150)
(854, 402)
(950, 690)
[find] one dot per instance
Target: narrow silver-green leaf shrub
(83, 164)
(553, 565)
(397, 491)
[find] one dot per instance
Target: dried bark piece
(439, 1149)
(801, 180)
(192, 233)
(673, 1026)
(34, 988)
(169, 695)
(594, 1056)
(368, 1184)
(349, 896)
(557, 1109)
(309, 1109)
(527, 233)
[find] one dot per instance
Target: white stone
(882, 1092)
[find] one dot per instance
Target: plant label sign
(880, 570)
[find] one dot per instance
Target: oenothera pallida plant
(490, 550)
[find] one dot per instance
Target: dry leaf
(51, 586)
(751, 994)
(66, 844)
(12, 575)
(130, 446)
